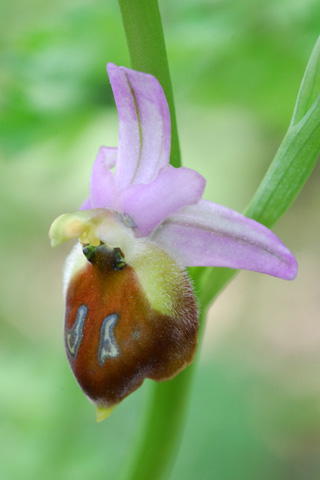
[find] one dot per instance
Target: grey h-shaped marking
(75, 334)
(108, 347)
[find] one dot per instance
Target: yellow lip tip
(103, 413)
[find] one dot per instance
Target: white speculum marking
(75, 334)
(108, 347)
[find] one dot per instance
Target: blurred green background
(236, 68)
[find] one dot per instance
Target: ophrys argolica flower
(130, 310)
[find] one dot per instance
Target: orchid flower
(130, 310)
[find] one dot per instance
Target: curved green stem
(142, 24)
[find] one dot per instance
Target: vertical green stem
(162, 429)
(164, 418)
(142, 24)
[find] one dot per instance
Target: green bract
(297, 153)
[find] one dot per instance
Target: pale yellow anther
(88, 236)
(93, 227)
(66, 227)
(74, 228)
(80, 225)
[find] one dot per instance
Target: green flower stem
(297, 154)
(142, 24)
(163, 428)
(164, 418)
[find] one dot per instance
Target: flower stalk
(163, 420)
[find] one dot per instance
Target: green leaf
(297, 154)
(310, 86)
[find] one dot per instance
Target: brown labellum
(114, 338)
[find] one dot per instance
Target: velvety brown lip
(144, 343)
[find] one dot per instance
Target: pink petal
(144, 126)
(148, 205)
(212, 235)
(102, 184)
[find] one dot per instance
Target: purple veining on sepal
(144, 126)
(207, 234)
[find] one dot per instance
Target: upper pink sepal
(144, 126)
